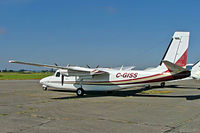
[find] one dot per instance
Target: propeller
(62, 79)
(88, 66)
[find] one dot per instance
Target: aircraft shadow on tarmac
(135, 93)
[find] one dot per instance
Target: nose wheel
(44, 88)
(80, 92)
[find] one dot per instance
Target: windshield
(58, 74)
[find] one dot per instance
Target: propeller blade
(62, 80)
(88, 66)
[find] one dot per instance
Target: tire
(162, 84)
(44, 88)
(80, 92)
(147, 86)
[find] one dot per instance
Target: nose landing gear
(44, 87)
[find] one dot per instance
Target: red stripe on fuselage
(136, 78)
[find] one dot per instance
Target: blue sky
(104, 32)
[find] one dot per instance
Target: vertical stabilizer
(177, 50)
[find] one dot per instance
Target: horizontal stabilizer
(174, 68)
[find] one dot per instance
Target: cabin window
(58, 74)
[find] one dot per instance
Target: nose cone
(42, 81)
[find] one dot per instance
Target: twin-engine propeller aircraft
(81, 79)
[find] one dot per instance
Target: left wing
(35, 64)
(68, 70)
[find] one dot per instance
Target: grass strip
(23, 76)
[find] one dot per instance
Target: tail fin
(177, 50)
(195, 72)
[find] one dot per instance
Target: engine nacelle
(74, 73)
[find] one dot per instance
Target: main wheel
(80, 92)
(147, 86)
(162, 84)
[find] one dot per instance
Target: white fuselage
(115, 80)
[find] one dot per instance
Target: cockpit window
(58, 74)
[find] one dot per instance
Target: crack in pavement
(175, 128)
(38, 125)
(132, 122)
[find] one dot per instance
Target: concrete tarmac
(25, 107)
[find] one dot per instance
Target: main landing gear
(162, 84)
(80, 92)
(147, 86)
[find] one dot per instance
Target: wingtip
(11, 61)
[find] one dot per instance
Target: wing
(68, 70)
(35, 64)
